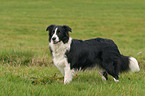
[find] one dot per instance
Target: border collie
(72, 55)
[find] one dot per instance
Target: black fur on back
(99, 51)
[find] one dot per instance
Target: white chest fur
(58, 51)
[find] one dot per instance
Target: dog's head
(58, 33)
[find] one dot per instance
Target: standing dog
(71, 55)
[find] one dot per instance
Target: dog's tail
(133, 64)
(129, 63)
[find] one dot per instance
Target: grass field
(24, 53)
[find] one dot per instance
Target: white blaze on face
(55, 36)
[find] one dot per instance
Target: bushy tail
(133, 64)
(128, 64)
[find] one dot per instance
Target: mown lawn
(25, 57)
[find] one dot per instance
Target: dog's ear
(67, 28)
(50, 28)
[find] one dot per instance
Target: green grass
(24, 52)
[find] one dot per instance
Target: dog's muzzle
(54, 40)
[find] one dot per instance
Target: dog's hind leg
(112, 69)
(103, 73)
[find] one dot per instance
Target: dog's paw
(116, 80)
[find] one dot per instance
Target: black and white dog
(71, 55)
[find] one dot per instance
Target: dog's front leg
(68, 74)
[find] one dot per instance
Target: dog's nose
(54, 38)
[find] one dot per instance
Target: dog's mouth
(55, 42)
